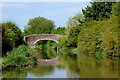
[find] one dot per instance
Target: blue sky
(59, 12)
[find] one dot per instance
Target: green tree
(59, 30)
(99, 37)
(115, 9)
(97, 11)
(11, 36)
(72, 31)
(78, 19)
(39, 25)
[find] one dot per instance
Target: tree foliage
(72, 30)
(115, 9)
(95, 35)
(100, 37)
(11, 36)
(59, 30)
(76, 20)
(39, 25)
(97, 11)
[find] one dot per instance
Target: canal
(64, 66)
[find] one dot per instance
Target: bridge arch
(31, 40)
(45, 39)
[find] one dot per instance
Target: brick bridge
(32, 39)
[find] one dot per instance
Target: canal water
(74, 66)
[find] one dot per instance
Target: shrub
(18, 57)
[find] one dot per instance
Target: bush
(18, 57)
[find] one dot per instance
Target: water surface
(79, 66)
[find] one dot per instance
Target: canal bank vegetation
(23, 56)
(14, 52)
(18, 57)
(93, 32)
(27, 57)
(99, 37)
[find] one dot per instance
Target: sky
(21, 12)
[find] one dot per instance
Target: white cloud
(46, 0)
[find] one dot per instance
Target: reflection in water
(15, 73)
(91, 67)
(70, 66)
(37, 72)
(40, 71)
(85, 66)
(47, 71)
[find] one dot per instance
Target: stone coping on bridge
(57, 35)
(42, 34)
